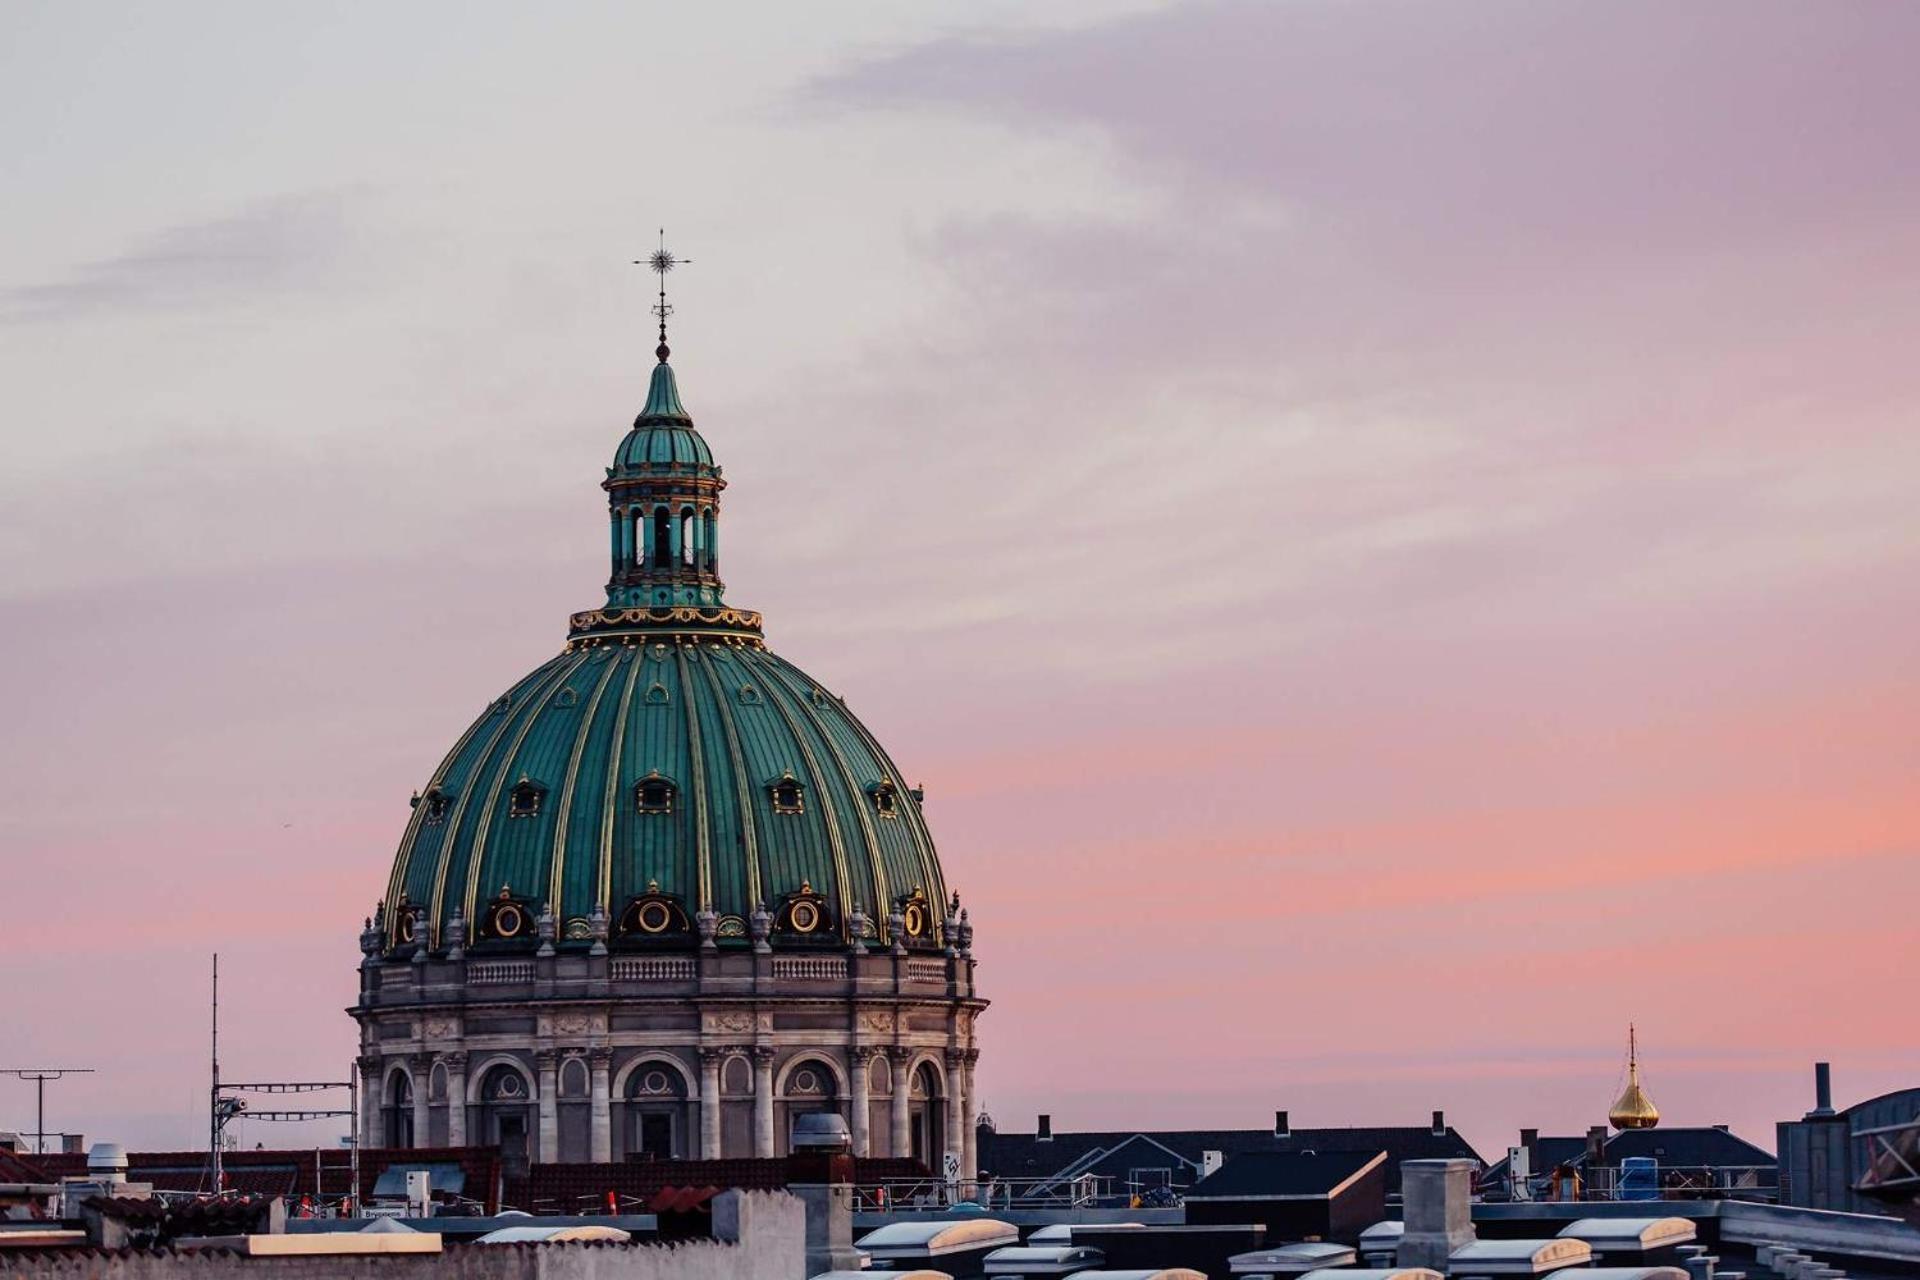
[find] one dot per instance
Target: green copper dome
(665, 780)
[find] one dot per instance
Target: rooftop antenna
(40, 1076)
(661, 261)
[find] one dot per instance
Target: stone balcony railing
(654, 969)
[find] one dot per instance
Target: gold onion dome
(1633, 1109)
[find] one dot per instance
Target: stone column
(600, 1121)
(898, 1057)
(763, 1100)
(956, 1116)
(370, 1132)
(970, 1114)
(548, 1063)
(862, 1104)
(710, 1063)
(456, 1098)
(421, 1065)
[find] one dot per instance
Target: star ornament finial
(661, 261)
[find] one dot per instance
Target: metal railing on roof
(1086, 1191)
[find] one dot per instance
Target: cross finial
(660, 262)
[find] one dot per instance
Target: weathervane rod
(661, 262)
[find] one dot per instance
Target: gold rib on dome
(1633, 1109)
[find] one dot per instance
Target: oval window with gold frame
(915, 919)
(805, 917)
(654, 917)
(509, 921)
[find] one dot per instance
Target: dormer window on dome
(654, 794)
(804, 914)
(436, 802)
(789, 796)
(525, 799)
(886, 801)
(507, 918)
(654, 917)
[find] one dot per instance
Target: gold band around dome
(733, 626)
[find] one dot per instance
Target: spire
(663, 393)
(660, 262)
(1633, 1109)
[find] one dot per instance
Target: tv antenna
(40, 1076)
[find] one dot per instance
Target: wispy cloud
(288, 243)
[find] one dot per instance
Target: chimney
(1439, 1124)
(1530, 1139)
(1437, 1207)
(1822, 1089)
(1045, 1131)
(1280, 1126)
(1596, 1146)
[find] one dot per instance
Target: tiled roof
(1282, 1173)
(287, 1173)
(575, 1188)
(18, 1168)
(1024, 1155)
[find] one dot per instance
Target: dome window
(804, 914)
(525, 799)
(788, 795)
(886, 801)
(654, 917)
(436, 802)
(653, 794)
(916, 920)
(507, 917)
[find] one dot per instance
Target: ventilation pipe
(1822, 1089)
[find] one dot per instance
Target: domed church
(667, 894)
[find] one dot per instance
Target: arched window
(653, 794)
(709, 549)
(687, 536)
(662, 538)
(524, 800)
(811, 1087)
(505, 1097)
(788, 795)
(927, 1132)
(399, 1109)
(656, 1112)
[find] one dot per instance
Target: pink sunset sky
(1390, 531)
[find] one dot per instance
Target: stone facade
(710, 1054)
